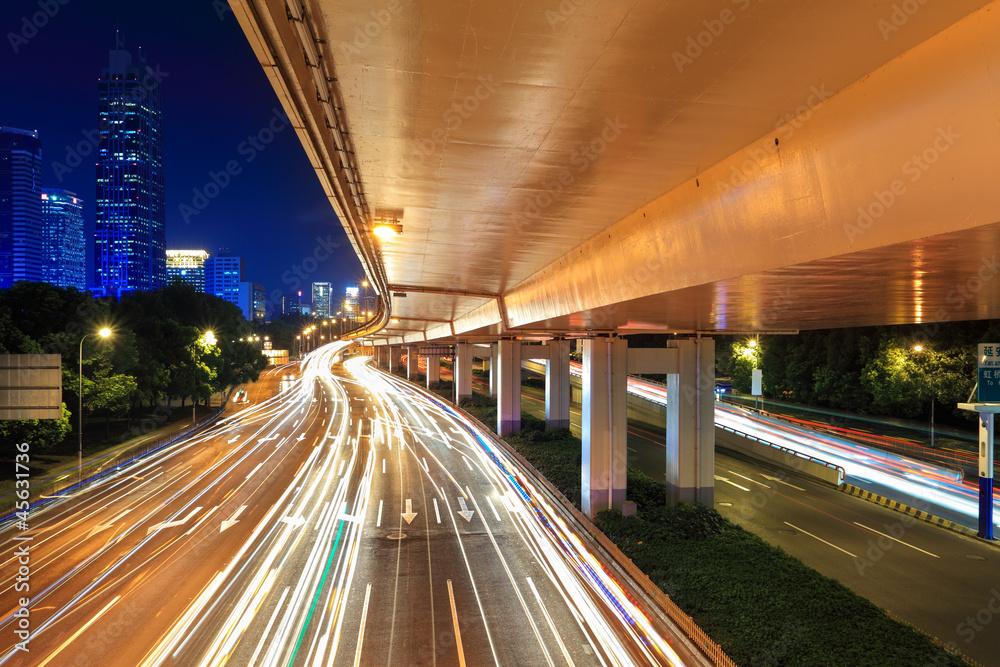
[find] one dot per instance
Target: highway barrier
(782, 457)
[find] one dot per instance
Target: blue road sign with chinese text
(989, 373)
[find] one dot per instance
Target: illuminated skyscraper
(188, 266)
(321, 300)
(223, 275)
(129, 245)
(20, 206)
(64, 255)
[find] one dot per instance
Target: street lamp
(209, 338)
(103, 333)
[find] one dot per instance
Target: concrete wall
(779, 456)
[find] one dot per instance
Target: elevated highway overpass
(580, 169)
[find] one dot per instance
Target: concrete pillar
(395, 357)
(380, 356)
(509, 387)
(462, 371)
(412, 362)
(690, 464)
(557, 387)
(494, 375)
(433, 370)
(605, 414)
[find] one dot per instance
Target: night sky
(215, 96)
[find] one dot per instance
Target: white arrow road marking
(171, 524)
(733, 483)
(778, 479)
(232, 521)
(98, 528)
(465, 511)
(294, 520)
(233, 440)
(302, 436)
(409, 514)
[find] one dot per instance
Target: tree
(41, 434)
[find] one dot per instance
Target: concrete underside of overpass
(580, 167)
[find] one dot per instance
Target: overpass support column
(604, 424)
(433, 370)
(395, 358)
(494, 378)
(690, 465)
(509, 386)
(462, 372)
(412, 367)
(380, 353)
(557, 387)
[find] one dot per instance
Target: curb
(903, 508)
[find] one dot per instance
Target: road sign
(757, 382)
(989, 373)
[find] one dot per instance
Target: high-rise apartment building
(20, 206)
(129, 243)
(321, 300)
(187, 266)
(64, 255)
(223, 275)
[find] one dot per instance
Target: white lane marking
(101, 613)
(820, 539)
(552, 626)
(493, 507)
(752, 481)
(378, 523)
(723, 479)
(267, 628)
(254, 471)
(361, 631)
(383, 466)
(437, 512)
(896, 540)
(467, 462)
(458, 632)
(426, 469)
(342, 464)
(778, 479)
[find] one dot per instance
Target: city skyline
(272, 210)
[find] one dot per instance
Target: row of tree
(893, 371)
(172, 343)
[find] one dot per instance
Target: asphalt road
(339, 518)
(944, 583)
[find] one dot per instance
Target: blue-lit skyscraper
(20, 206)
(129, 243)
(223, 275)
(63, 251)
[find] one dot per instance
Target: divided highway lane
(121, 557)
(409, 541)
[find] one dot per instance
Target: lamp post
(920, 348)
(103, 333)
